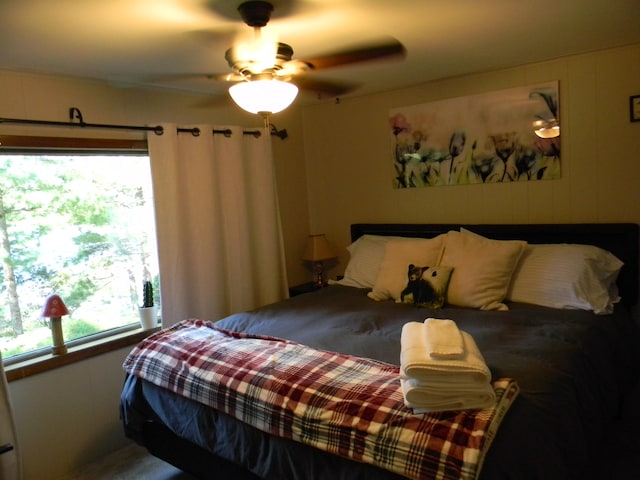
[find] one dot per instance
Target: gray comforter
(573, 369)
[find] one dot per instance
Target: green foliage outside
(41, 337)
(79, 226)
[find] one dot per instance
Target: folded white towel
(423, 398)
(469, 369)
(443, 338)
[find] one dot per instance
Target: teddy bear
(418, 285)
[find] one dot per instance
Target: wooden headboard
(621, 239)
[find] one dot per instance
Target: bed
(573, 360)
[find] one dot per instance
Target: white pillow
(398, 255)
(366, 255)
(567, 276)
(482, 269)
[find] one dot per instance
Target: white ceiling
(148, 42)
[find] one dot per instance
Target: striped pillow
(567, 276)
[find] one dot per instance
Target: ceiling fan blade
(186, 77)
(213, 36)
(324, 88)
(386, 50)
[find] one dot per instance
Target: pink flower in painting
(399, 124)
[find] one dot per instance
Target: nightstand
(302, 288)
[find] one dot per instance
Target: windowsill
(75, 354)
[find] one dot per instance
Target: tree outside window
(80, 225)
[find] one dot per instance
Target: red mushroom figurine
(54, 308)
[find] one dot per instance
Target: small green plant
(147, 294)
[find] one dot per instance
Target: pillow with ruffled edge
(398, 254)
(570, 276)
(482, 269)
(365, 257)
(426, 286)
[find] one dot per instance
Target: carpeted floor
(130, 463)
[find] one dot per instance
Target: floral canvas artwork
(504, 136)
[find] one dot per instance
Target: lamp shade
(318, 249)
(54, 307)
(263, 96)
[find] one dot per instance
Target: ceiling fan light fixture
(263, 96)
(546, 128)
(548, 132)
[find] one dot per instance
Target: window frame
(40, 360)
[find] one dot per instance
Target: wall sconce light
(54, 308)
(264, 95)
(318, 251)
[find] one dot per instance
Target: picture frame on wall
(634, 108)
(496, 137)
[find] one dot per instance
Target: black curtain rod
(195, 131)
(75, 114)
(158, 130)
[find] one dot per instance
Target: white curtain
(218, 225)
(10, 462)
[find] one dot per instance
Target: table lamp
(318, 251)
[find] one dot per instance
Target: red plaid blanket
(344, 405)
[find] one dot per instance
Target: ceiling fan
(261, 60)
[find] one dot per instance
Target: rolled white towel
(443, 338)
(415, 362)
(423, 398)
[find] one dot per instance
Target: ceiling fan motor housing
(246, 67)
(255, 13)
(250, 62)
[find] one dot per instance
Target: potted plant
(148, 311)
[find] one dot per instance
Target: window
(76, 219)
